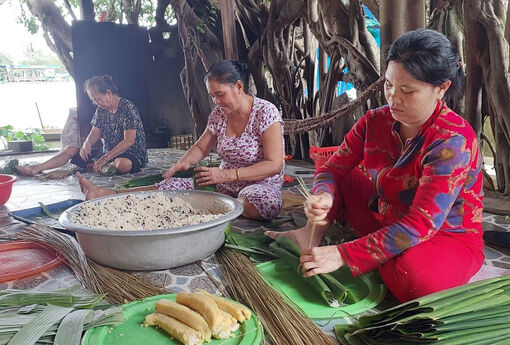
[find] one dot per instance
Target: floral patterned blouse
(112, 128)
(246, 149)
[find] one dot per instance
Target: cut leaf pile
(476, 313)
(59, 317)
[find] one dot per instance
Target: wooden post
(229, 29)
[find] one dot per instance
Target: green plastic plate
(131, 333)
(283, 279)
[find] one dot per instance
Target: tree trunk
(494, 63)
(507, 27)
(131, 9)
(87, 10)
(201, 48)
(391, 26)
(56, 29)
(414, 14)
(475, 45)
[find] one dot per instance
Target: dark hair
(103, 83)
(429, 56)
(228, 72)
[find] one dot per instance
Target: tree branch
(56, 27)
(373, 6)
(69, 9)
(302, 126)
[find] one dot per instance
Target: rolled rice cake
(198, 316)
(238, 311)
(184, 315)
(177, 329)
(220, 323)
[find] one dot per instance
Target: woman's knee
(261, 201)
(249, 210)
(405, 280)
(428, 268)
(122, 165)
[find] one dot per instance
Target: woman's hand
(99, 164)
(179, 166)
(319, 260)
(317, 207)
(205, 176)
(85, 150)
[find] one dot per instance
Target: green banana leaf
(476, 313)
(332, 291)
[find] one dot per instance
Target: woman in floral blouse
(248, 135)
(419, 217)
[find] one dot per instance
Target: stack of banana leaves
(475, 314)
(59, 317)
(150, 180)
(328, 286)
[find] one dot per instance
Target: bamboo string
(304, 191)
(58, 174)
(118, 286)
(283, 323)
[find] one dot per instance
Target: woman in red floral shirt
(419, 219)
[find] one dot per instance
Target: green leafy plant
(7, 133)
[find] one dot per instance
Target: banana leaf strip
(71, 327)
(36, 328)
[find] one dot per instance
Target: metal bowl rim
(237, 210)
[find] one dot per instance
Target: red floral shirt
(431, 183)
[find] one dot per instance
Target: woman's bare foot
(90, 190)
(303, 237)
(27, 170)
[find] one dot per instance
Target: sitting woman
(248, 134)
(419, 221)
(70, 143)
(118, 124)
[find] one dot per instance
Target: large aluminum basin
(157, 249)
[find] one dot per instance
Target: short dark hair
(228, 72)
(429, 56)
(103, 83)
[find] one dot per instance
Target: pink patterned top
(246, 149)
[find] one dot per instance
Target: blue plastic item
(47, 217)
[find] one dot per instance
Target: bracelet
(237, 174)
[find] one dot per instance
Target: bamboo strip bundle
(59, 174)
(476, 313)
(284, 324)
(118, 286)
